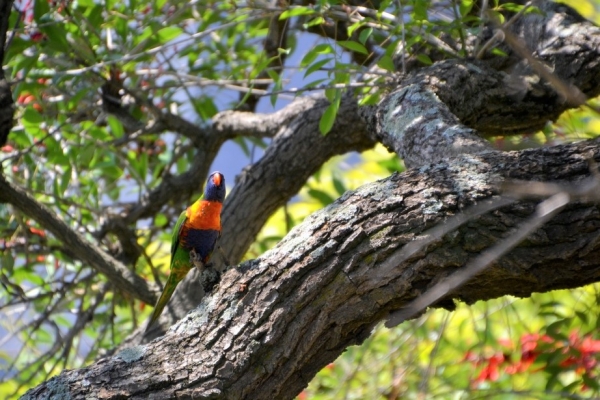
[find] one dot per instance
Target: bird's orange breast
(204, 214)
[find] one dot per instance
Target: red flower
(37, 36)
(581, 354)
(38, 232)
(589, 345)
(491, 371)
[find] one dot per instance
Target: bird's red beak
(217, 179)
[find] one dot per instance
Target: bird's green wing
(177, 272)
(177, 232)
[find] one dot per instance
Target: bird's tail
(170, 286)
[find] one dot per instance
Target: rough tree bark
(272, 323)
(275, 321)
(6, 102)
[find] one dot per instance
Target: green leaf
(498, 52)
(169, 33)
(8, 262)
(205, 107)
(143, 35)
(386, 63)
(592, 383)
(82, 49)
(321, 196)
(424, 58)
(116, 126)
(122, 28)
(555, 330)
(465, 7)
(32, 118)
(40, 9)
(17, 46)
(160, 220)
(420, 11)
(496, 16)
(370, 99)
(328, 118)
(277, 86)
(316, 66)
(98, 133)
(315, 83)
(323, 48)
(55, 152)
(582, 316)
(74, 102)
(240, 141)
(61, 183)
(313, 22)
(84, 157)
(339, 186)
(331, 94)
(353, 46)
(32, 121)
(296, 11)
(57, 36)
(93, 13)
(365, 34)
(141, 167)
(110, 170)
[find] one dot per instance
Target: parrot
(194, 238)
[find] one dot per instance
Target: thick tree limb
(275, 321)
(447, 100)
(440, 111)
(420, 120)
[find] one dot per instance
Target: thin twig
(498, 34)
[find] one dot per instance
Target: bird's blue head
(215, 187)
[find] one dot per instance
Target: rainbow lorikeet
(194, 238)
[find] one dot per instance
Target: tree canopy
(389, 156)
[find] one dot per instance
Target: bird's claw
(195, 259)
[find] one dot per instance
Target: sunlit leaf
(316, 66)
(328, 118)
(169, 33)
(296, 11)
(116, 126)
(353, 46)
(424, 58)
(386, 63)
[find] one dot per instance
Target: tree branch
(119, 275)
(440, 111)
(276, 39)
(275, 321)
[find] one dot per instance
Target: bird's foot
(210, 278)
(196, 260)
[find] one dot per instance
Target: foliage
(546, 346)
(93, 82)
